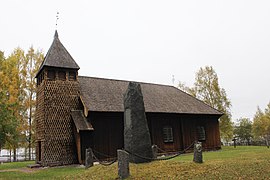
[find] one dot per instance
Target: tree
(9, 83)
(261, 124)
(6, 115)
(7, 121)
(243, 130)
(17, 80)
(207, 89)
(30, 67)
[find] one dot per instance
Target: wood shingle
(106, 95)
(57, 56)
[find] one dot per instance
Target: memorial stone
(155, 151)
(89, 162)
(198, 152)
(123, 164)
(136, 133)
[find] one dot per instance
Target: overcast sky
(152, 40)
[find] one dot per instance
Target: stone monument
(155, 151)
(198, 152)
(123, 164)
(89, 162)
(136, 133)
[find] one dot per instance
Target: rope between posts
(161, 159)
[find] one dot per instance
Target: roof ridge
(110, 79)
(101, 94)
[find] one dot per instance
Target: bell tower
(57, 95)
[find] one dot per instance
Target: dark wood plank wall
(211, 125)
(156, 122)
(108, 133)
(184, 130)
(107, 136)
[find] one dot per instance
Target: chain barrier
(161, 159)
(139, 156)
(101, 162)
(102, 154)
(161, 150)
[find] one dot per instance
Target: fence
(245, 143)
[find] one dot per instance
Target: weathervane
(57, 17)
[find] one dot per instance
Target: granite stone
(136, 133)
(89, 162)
(198, 157)
(123, 164)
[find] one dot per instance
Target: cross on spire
(57, 17)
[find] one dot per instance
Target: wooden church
(76, 112)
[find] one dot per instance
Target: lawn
(246, 162)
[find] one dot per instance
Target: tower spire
(56, 34)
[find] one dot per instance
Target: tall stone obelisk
(137, 139)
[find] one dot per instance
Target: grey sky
(150, 41)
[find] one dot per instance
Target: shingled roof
(80, 121)
(106, 95)
(58, 56)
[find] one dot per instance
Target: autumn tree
(30, 67)
(10, 86)
(17, 81)
(243, 130)
(6, 115)
(207, 89)
(261, 124)
(7, 121)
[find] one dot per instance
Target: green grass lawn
(246, 162)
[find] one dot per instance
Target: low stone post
(89, 162)
(123, 164)
(198, 153)
(155, 150)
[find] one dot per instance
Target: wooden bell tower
(57, 95)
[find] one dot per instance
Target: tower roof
(58, 56)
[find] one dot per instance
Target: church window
(62, 75)
(72, 76)
(167, 134)
(201, 133)
(51, 75)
